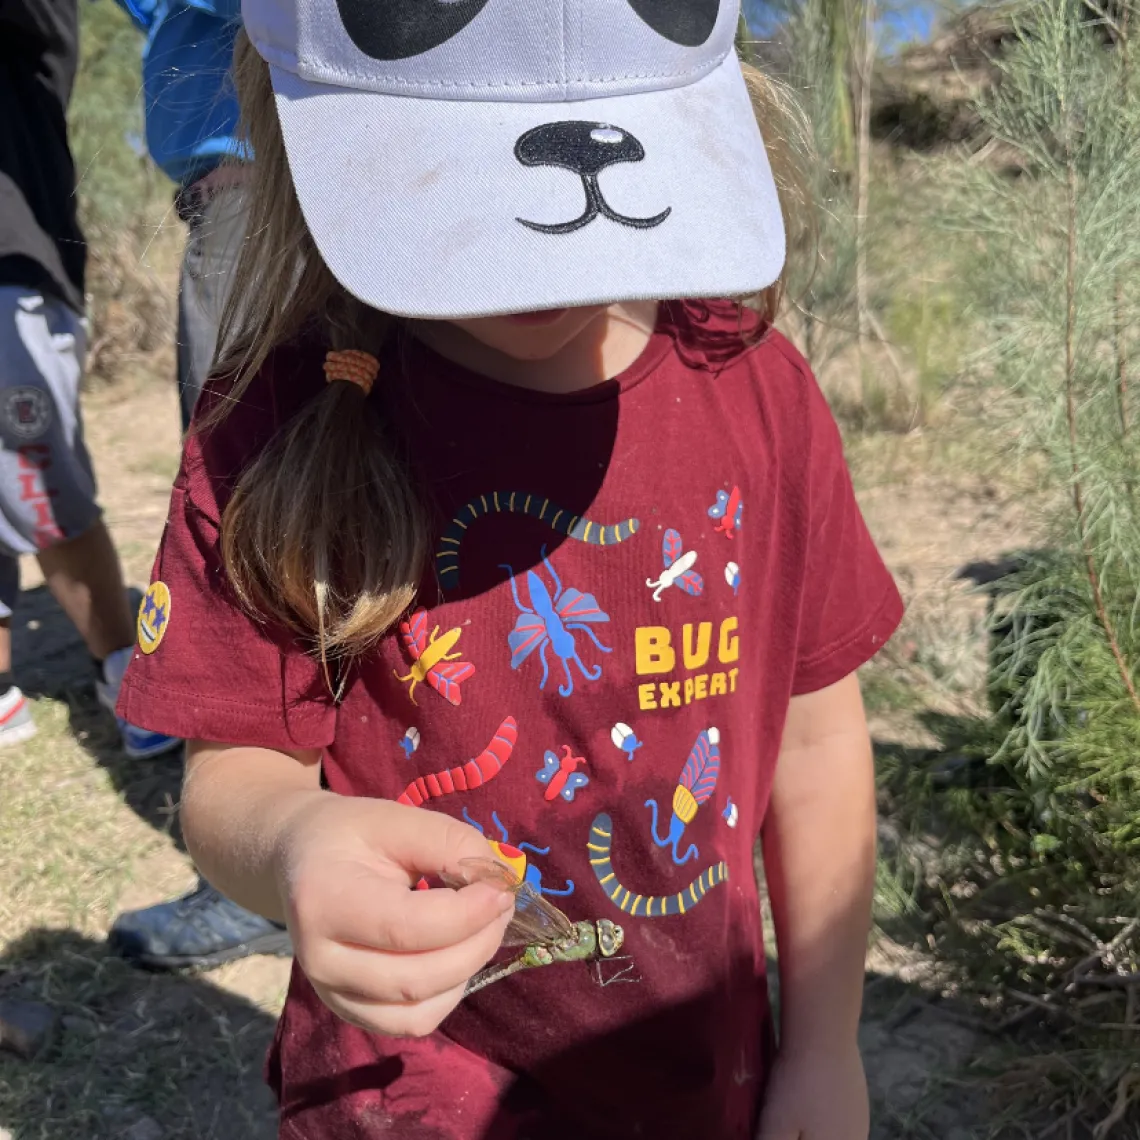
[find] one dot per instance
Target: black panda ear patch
(685, 22)
(401, 29)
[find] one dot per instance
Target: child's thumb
(423, 842)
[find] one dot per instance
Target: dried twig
(1109, 981)
(881, 337)
(1068, 1012)
(1105, 951)
(1102, 14)
(1127, 1093)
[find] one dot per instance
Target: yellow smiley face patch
(154, 617)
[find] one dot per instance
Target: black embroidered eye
(685, 22)
(400, 29)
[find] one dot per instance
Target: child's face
(532, 336)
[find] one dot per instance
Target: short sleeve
(850, 606)
(203, 667)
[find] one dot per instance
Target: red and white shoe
(16, 724)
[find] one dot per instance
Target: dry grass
(84, 833)
(61, 863)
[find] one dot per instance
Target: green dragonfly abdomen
(540, 931)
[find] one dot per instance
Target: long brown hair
(325, 532)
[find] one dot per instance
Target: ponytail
(324, 533)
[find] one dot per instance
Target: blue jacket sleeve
(141, 12)
(229, 10)
(145, 14)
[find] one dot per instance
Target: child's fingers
(383, 915)
(423, 842)
(413, 1019)
(380, 976)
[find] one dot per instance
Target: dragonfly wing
(576, 606)
(481, 868)
(474, 870)
(671, 547)
(535, 919)
(716, 511)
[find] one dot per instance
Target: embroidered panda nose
(585, 149)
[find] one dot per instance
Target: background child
(583, 585)
(48, 504)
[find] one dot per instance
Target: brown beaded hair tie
(352, 366)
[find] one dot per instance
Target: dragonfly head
(611, 938)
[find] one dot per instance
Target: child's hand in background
(819, 1094)
(381, 956)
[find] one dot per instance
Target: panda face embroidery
(390, 30)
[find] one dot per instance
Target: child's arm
(819, 858)
(339, 870)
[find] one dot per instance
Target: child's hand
(386, 958)
(821, 1095)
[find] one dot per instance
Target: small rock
(26, 1027)
(143, 1129)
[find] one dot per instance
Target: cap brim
(418, 205)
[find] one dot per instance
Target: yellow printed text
(660, 654)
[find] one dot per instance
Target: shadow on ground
(131, 1046)
(50, 660)
(134, 1047)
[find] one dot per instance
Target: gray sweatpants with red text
(47, 486)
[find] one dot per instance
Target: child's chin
(526, 340)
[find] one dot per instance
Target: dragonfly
(544, 934)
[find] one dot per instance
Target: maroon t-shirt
(628, 584)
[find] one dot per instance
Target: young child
(582, 588)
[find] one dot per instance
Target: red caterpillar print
(486, 766)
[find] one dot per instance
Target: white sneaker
(138, 743)
(16, 724)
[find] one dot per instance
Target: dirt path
(87, 834)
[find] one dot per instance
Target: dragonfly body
(588, 942)
(541, 933)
